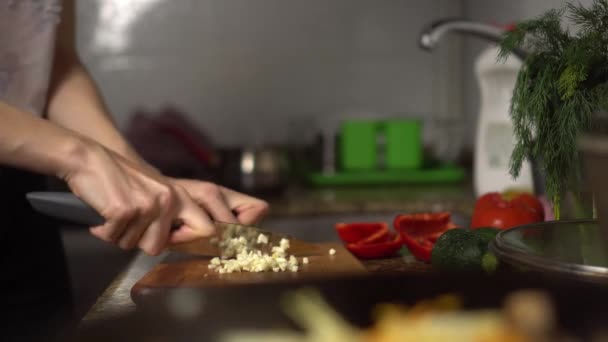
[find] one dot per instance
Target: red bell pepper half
(367, 232)
(376, 250)
(369, 240)
(419, 232)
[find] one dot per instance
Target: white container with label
(495, 141)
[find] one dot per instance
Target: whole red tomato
(496, 210)
(532, 202)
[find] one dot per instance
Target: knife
(67, 207)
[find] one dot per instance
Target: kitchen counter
(457, 197)
(116, 299)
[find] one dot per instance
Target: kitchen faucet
(433, 33)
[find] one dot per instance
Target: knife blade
(68, 207)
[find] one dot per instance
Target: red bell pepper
(369, 240)
(419, 232)
(362, 232)
(500, 211)
(420, 248)
(377, 249)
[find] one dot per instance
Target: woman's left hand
(223, 204)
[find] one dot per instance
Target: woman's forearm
(31, 143)
(75, 103)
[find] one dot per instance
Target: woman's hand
(139, 205)
(223, 204)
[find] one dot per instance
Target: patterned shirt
(27, 41)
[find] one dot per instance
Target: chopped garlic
(305, 260)
(284, 243)
(332, 251)
(240, 258)
(262, 239)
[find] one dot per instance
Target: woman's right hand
(139, 205)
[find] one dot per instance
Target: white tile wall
(248, 70)
(260, 70)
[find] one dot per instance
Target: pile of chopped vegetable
(248, 259)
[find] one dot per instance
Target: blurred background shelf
(445, 174)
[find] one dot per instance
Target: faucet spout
(432, 34)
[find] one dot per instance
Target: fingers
(222, 203)
(139, 205)
(155, 237)
(252, 214)
(250, 210)
(217, 208)
(196, 223)
(146, 220)
(118, 215)
(135, 230)
(211, 198)
(133, 234)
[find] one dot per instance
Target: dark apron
(35, 288)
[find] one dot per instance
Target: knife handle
(65, 206)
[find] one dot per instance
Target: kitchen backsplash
(276, 71)
(267, 71)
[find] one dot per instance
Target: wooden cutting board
(192, 271)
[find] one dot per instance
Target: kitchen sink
(320, 228)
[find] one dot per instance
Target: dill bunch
(563, 81)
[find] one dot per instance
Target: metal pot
(593, 146)
(256, 169)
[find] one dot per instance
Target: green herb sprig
(563, 80)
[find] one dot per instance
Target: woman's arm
(74, 100)
(31, 143)
(75, 103)
(138, 205)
